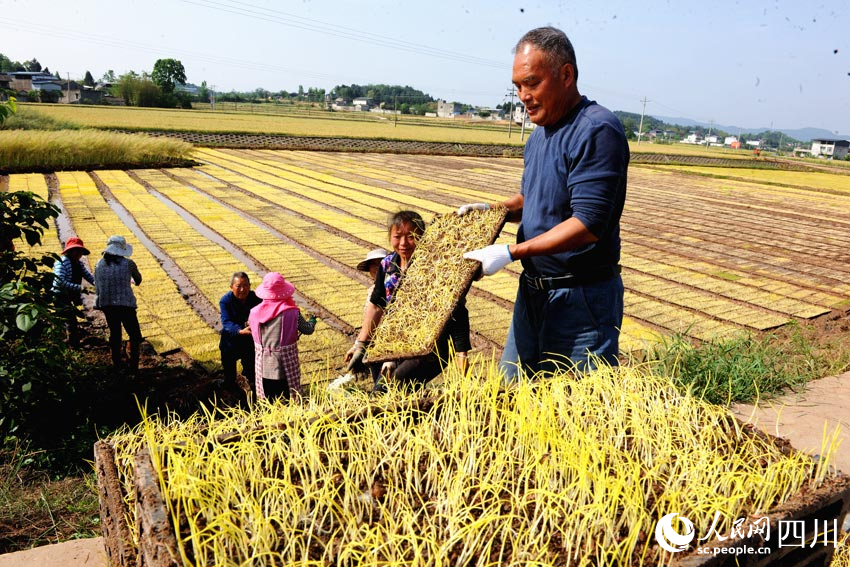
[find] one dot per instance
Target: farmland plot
(705, 257)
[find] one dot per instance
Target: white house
(829, 148)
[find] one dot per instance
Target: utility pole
(511, 111)
(395, 110)
(212, 98)
(640, 128)
(522, 132)
(710, 126)
(69, 87)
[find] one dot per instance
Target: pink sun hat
(275, 288)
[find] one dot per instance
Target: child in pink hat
(275, 325)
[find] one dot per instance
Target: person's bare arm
(568, 235)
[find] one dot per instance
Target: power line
(298, 22)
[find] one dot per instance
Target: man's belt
(586, 277)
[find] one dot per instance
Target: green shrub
(740, 369)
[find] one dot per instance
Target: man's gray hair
(554, 44)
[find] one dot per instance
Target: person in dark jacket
(236, 343)
(68, 275)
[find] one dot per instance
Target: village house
(830, 148)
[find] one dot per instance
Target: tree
(126, 87)
(204, 92)
(32, 65)
(88, 80)
(7, 109)
(167, 74)
(109, 77)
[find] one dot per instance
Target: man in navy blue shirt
(236, 343)
(569, 305)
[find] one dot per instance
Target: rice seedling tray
(432, 286)
(154, 540)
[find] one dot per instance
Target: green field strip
(332, 210)
(712, 305)
(162, 312)
(695, 274)
(208, 265)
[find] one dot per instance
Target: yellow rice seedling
(555, 472)
(432, 285)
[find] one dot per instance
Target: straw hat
(75, 242)
(117, 246)
(275, 287)
(376, 254)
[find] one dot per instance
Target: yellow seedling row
(489, 320)
(757, 272)
(208, 265)
(801, 179)
(347, 204)
(389, 169)
(36, 183)
(713, 305)
(675, 319)
(94, 221)
(683, 274)
(561, 472)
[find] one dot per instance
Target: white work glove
(493, 258)
(463, 209)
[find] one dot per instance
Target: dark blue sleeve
(229, 323)
(595, 178)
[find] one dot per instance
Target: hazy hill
(803, 134)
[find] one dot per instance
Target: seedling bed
(154, 541)
(433, 285)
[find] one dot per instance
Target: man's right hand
(463, 209)
(354, 356)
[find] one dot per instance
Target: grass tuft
(742, 369)
(25, 150)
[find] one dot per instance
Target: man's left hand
(493, 258)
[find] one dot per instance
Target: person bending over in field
(115, 298)
(275, 326)
(235, 343)
(68, 275)
(405, 229)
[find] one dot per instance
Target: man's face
(240, 288)
(547, 93)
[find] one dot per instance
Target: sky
(748, 64)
